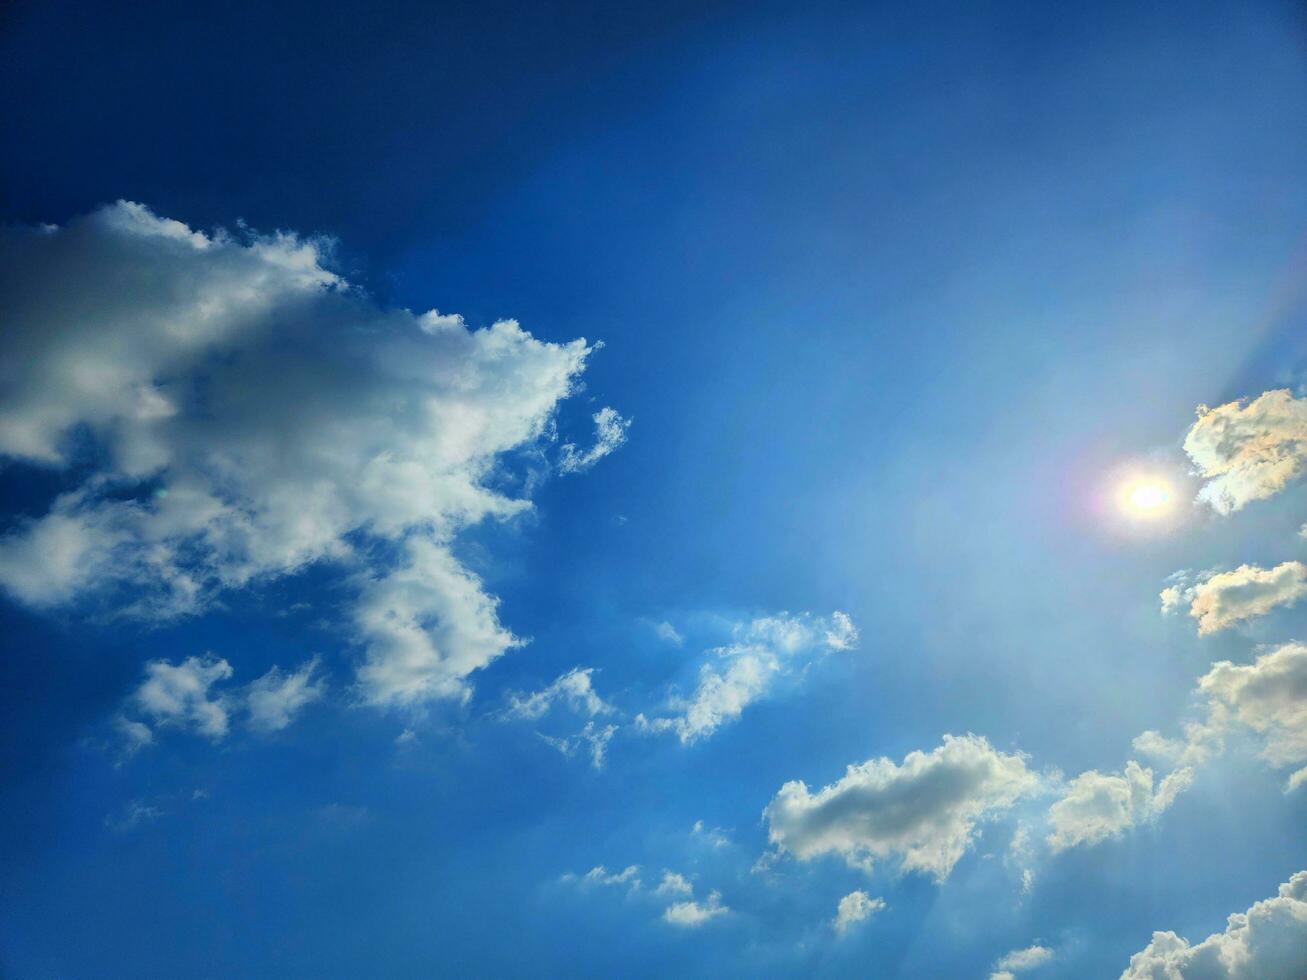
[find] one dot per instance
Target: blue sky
(735, 573)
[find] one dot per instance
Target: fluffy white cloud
(252, 413)
(574, 688)
(924, 811)
(1020, 960)
(855, 907)
(691, 914)
(1098, 805)
(188, 695)
(1222, 599)
(1268, 942)
(275, 698)
(1268, 696)
(1249, 451)
(610, 435)
(180, 694)
(674, 884)
(746, 669)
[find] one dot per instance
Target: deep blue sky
(887, 293)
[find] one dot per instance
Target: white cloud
(674, 884)
(601, 876)
(1020, 960)
(1098, 805)
(610, 435)
(275, 698)
(574, 688)
(1267, 942)
(687, 913)
(1268, 696)
(762, 650)
(135, 735)
(692, 914)
(715, 837)
(1248, 451)
(252, 414)
(136, 812)
(924, 811)
(855, 907)
(428, 624)
(592, 735)
(187, 695)
(1219, 600)
(179, 694)
(667, 633)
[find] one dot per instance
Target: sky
(594, 490)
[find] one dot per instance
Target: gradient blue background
(886, 289)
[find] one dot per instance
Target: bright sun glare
(1146, 498)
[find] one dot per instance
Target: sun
(1146, 498)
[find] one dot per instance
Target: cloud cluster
(1099, 805)
(1248, 451)
(855, 907)
(1267, 942)
(688, 913)
(241, 412)
(761, 652)
(924, 812)
(1220, 600)
(186, 696)
(1021, 960)
(1268, 696)
(574, 688)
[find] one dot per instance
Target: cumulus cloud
(1248, 451)
(1219, 600)
(855, 907)
(249, 413)
(692, 914)
(179, 694)
(1267, 942)
(275, 698)
(610, 435)
(924, 812)
(190, 695)
(1098, 805)
(1268, 696)
(674, 884)
(740, 673)
(574, 688)
(1021, 960)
